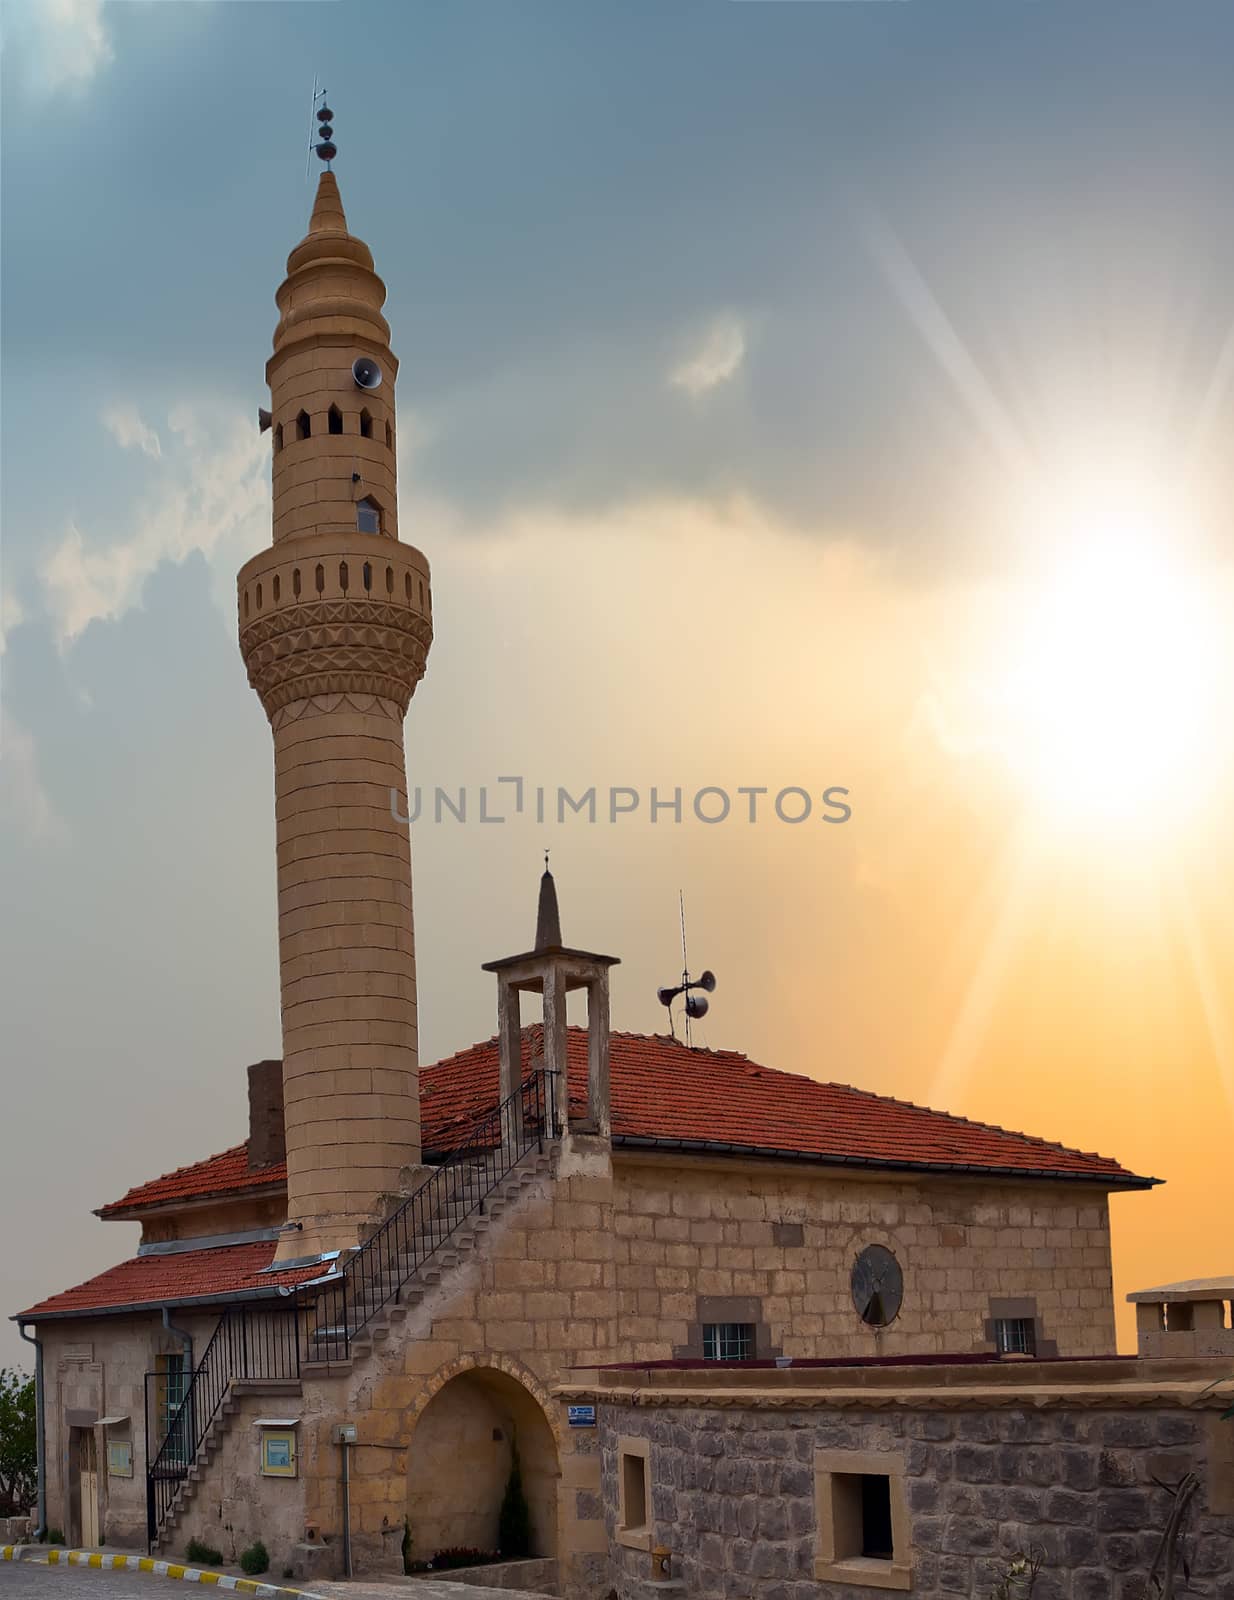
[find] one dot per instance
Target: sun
(1109, 698)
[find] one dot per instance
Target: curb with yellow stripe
(165, 1569)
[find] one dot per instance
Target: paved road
(33, 1581)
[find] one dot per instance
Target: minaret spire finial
(325, 148)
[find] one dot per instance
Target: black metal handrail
(378, 1271)
(322, 1318)
(253, 1342)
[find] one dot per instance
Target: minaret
(335, 627)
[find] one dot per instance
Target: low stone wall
(533, 1576)
(979, 1474)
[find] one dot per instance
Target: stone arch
(463, 1427)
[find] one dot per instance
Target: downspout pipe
(184, 1336)
(39, 1428)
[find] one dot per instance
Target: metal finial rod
(321, 138)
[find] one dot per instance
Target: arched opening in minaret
(389, 437)
(368, 575)
(303, 426)
(334, 418)
(278, 438)
(368, 516)
(366, 424)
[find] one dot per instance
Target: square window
(1015, 1336)
(728, 1341)
(633, 1493)
(863, 1530)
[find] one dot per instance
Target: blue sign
(581, 1416)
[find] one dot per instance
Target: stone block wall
(685, 1229)
(95, 1368)
(734, 1496)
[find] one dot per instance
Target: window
(303, 426)
(1015, 1336)
(633, 1494)
(368, 517)
(334, 418)
(172, 1372)
(389, 437)
(728, 1341)
(366, 424)
(862, 1519)
(278, 438)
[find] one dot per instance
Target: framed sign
(278, 1447)
(581, 1416)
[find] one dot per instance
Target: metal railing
(250, 1342)
(322, 1318)
(376, 1273)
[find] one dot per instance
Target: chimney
(267, 1142)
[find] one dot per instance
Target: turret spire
(548, 918)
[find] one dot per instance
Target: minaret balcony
(347, 613)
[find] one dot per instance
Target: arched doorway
(460, 1459)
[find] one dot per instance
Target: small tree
(18, 1452)
(514, 1522)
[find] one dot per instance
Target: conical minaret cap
(330, 287)
(328, 215)
(548, 918)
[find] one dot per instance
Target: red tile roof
(667, 1094)
(214, 1178)
(173, 1279)
(662, 1094)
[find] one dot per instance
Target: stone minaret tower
(335, 627)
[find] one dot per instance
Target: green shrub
(52, 1536)
(514, 1522)
(203, 1555)
(255, 1559)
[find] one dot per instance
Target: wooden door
(88, 1469)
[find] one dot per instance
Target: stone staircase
(465, 1227)
(465, 1232)
(209, 1447)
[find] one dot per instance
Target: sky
(792, 396)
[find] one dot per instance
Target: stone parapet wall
(735, 1487)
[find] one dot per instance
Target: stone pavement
(35, 1580)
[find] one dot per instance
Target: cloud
(716, 360)
(210, 494)
(61, 44)
(23, 800)
(129, 431)
(11, 615)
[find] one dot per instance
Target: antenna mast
(696, 1004)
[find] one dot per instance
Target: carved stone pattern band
(336, 647)
(321, 705)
